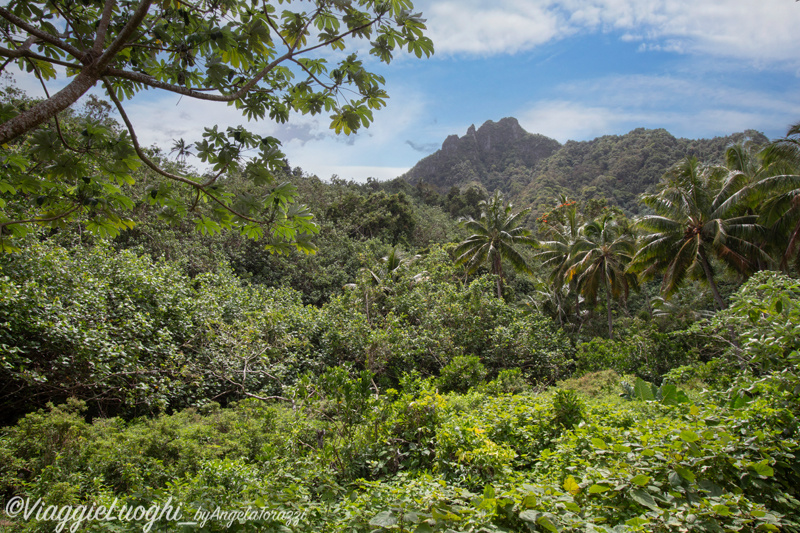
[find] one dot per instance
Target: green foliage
(716, 479)
(508, 381)
(760, 332)
(266, 63)
(496, 237)
(346, 459)
(592, 384)
(567, 409)
(461, 373)
(666, 394)
(425, 317)
(342, 245)
(136, 336)
(376, 215)
(640, 350)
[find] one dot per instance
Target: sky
(567, 69)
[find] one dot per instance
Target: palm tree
(599, 258)
(743, 167)
(556, 252)
(550, 301)
(696, 219)
(379, 282)
(390, 266)
(776, 196)
(495, 237)
(182, 150)
(786, 150)
(562, 227)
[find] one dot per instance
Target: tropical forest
(515, 335)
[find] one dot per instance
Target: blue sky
(568, 69)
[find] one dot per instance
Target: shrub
(593, 383)
(508, 381)
(463, 372)
(567, 409)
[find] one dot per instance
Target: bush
(567, 409)
(131, 336)
(462, 373)
(644, 351)
(508, 381)
(593, 383)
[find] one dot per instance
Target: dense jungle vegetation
(387, 356)
(383, 384)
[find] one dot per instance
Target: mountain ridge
(532, 169)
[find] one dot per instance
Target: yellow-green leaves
(689, 436)
(571, 486)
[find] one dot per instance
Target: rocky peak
(499, 134)
(471, 157)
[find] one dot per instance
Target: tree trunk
(85, 80)
(710, 277)
(498, 270)
(46, 109)
(608, 305)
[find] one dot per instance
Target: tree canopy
(496, 236)
(266, 60)
(693, 222)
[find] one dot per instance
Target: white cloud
(564, 120)
(506, 26)
(307, 141)
(758, 31)
(378, 151)
(684, 106)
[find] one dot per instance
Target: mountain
(531, 169)
(471, 159)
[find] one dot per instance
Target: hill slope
(532, 169)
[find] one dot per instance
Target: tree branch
(130, 27)
(307, 71)
(45, 110)
(147, 161)
(102, 28)
(43, 35)
(55, 118)
(67, 96)
(28, 54)
(247, 87)
(36, 220)
(150, 81)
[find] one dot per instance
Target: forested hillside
(532, 169)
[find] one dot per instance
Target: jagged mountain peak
(466, 159)
(532, 169)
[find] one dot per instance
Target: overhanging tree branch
(149, 162)
(102, 28)
(84, 81)
(232, 52)
(28, 54)
(39, 220)
(41, 34)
